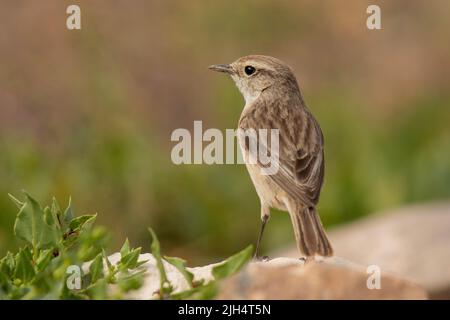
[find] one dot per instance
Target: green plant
(58, 245)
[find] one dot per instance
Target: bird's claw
(261, 259)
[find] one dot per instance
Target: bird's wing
(300, 154)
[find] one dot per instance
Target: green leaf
(24, 268)
(165, 286)
(7, 265)
(204, 292)
(17, 202)
(96, 268)
(56, 209)
(180, 264)
(48, 216)
(207, 292)
(131, 281)
(5, 284)
(52, 221)
(130, 260)
(39, 271)
(44, 259)
(31, 227)
(91, 242)
(125, 248)
(79, 223)
(108, 263)
(98, 290)
(233, 263)
(56, 215)
(70, 239)
(68, 213)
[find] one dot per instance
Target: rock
(412, 242)
(284, 278)
(332, 278)
(411, 247)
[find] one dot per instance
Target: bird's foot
(306, 260)
(261, 259)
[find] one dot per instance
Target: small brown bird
(273, 101)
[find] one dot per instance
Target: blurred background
(89, 113)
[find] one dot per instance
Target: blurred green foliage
(89, 113)
(64, 257)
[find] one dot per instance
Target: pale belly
(268, 191)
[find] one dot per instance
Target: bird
(273, 100)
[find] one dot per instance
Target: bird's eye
(249, 70)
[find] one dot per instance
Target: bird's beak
(222, 68)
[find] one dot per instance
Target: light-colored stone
(412, 242)
(331, 278)
(410, 245)
(282, 278)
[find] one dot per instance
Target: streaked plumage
(274, 101)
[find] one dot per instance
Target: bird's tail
(309, 232)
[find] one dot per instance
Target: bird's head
(255, 73)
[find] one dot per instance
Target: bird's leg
(265, 214)
(307, 259)
(264, 220)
